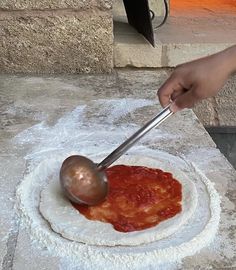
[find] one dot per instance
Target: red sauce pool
(138, 198)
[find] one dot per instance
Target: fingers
(174, 108)
(180, 95)
(168, 91)
(177, 93)
(186, 100)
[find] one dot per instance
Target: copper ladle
(85, 182)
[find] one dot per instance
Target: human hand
(194, 81)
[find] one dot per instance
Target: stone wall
(219, 110)
(56, 36)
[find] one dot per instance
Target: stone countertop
(26, 101)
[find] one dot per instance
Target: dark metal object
(139, 17)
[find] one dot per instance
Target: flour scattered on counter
(93, 129)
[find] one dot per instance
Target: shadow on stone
(225, 139)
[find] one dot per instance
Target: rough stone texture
(56, 42)
(226, 103)
(221, 110)
(206, 113)
(26, 101)
(53, 4)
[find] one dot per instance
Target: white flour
(74, 134)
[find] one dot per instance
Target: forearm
(229, 59)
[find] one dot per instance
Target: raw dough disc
(68, 222)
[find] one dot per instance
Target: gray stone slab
(26, 101)
(141, 83)
(9, 158)
(29, 255)
(11, 168)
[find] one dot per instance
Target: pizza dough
(69, 223)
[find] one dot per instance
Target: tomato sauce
(138, 198)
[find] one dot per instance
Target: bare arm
(193, 81)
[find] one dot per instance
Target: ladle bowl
(82, 182)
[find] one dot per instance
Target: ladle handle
(125, 146)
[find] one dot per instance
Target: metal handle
(125, 146)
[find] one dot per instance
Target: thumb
(186, 100)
